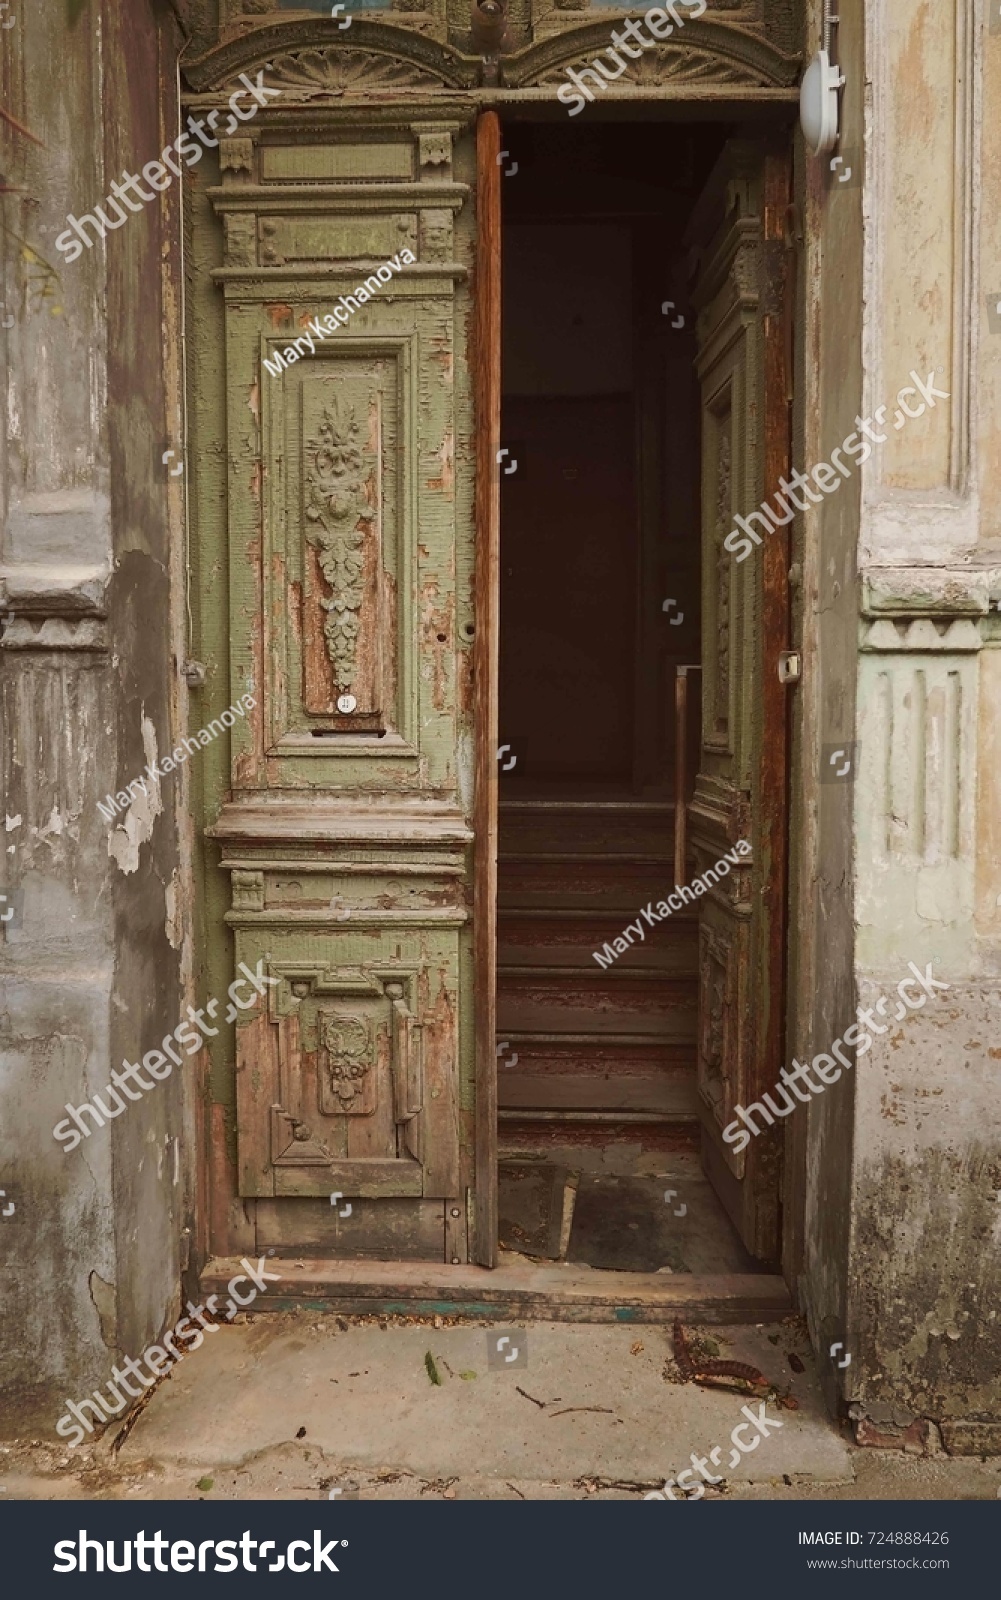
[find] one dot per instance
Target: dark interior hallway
(600, 531)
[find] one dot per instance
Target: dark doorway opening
(600, 604)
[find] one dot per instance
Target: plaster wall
(925, 1268)
(88, 662)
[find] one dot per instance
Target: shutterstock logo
(72, 1554)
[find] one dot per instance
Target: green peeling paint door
(333, 502)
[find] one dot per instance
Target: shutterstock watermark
(674, 902)
(700, 1464)
(188, 1033)
(742, 539)
(858, 1038)
(156, 172)
(155, 1356)
(656, 20)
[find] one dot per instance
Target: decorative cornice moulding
(707, 53)
(302, 56)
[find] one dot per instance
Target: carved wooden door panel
(345, 570)
(739, 805)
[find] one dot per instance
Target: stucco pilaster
(925, 1268)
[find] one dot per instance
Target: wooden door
(487, 391)
(740, 801)
(333, 507)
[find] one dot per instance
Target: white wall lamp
(818, 94)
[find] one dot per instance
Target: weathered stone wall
(926, 1226)
(88, 669)
(896, 1250)
(899, 1256)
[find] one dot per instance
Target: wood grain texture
(562, 1294)
(485, 675)
(667, 1094)
(741, 789)
(773, 820)
(375, 1229)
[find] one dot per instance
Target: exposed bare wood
(456, 1240)
(400, 818)
(741, 787)
(485, 671)
(682, 779)
(404, 1229)
(565, 1117)
(775, 556)
(660, 1092)
(565, 1294)
(228, 1219)
(366, 1177)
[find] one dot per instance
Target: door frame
(772, 799)
(486, 675)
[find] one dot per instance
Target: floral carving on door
(337, 506)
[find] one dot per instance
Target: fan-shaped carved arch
(707, 52)
(302, 58)
(339, 71)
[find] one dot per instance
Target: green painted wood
(332, 548)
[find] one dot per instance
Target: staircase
(603, 1054)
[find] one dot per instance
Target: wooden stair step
(567, 1051)
(527, 1133)
(678, 1027)
(676, 962)
(570, 938)
(511, 1292)
(670, 1093)
(616, 828)
(616, 889)
(636, 1002)
(563, 973)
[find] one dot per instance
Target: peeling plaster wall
(925, 1272)
(893, 1215)
(928, 1213)
(88, 665)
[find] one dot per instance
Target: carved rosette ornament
(341, 71)
(336, 507)
(673, 64)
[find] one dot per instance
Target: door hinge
(790, 666)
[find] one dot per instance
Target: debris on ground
(567, 1410)
(694, 1367)
(540, 1403)
(442, 1486)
